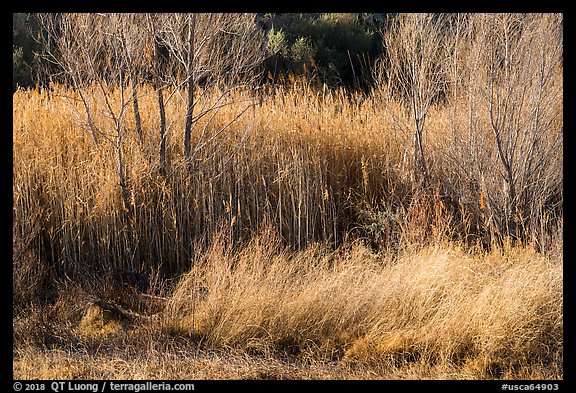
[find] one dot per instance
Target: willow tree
(413, 70)
(220, 52)
(517, 84)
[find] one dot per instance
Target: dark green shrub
(336, 49)
(24, 49)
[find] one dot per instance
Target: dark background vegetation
(332, 49)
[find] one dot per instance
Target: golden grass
(318, 165)
(440, 305)
(305, 162)
(439, 313)
(311, 169)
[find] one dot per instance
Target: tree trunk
(419, 156)
(162, 131)
(190, 103)
(121, 174)
(137, 120)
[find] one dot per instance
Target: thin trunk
(162, 131)
(121, 173)
(422, 157)
(190, 103)
(121, 176)
(418, 145)
(506, 161)
(159, 70)
(93, 130)
(137, 120)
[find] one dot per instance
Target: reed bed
(302, 162)
(299, 232)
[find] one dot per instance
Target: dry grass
(486, 315)
(264, 312)
(296, 168)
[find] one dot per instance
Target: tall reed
(317, 164)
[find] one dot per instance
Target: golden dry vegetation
(412, 231)
(281, 260)
(267, 313)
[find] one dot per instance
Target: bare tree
(520, 87)
(501, 78)
(505, 81)
(170, 51)
(89, 50)
(156, 66)
(413, 68)
(93, 54)
(134, 42)
(189, 66)
(212, 50)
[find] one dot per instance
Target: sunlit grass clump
(485, 315)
